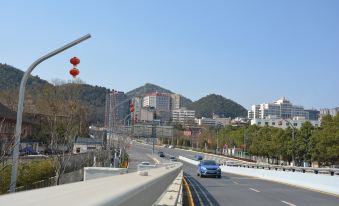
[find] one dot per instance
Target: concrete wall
(100, 172)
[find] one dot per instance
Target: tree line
(308, 144)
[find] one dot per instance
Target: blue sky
(249, 51)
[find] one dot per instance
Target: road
(239, 190)
(138, 154)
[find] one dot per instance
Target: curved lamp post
(21, 104)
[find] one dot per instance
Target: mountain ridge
(95, 96)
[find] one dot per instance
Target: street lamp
(21, 104)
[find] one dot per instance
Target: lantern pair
(74, 71)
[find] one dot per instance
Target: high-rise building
(117, 108)
(176, 101)
(159, 101)
(282, 108)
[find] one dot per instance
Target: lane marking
(253, 189)
(235, 182)
(288, 203)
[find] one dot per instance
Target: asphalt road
(240, 190)
(137, 154)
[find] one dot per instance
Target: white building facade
(282, 108)
(159, 101)
(183, 116)
(296, 122)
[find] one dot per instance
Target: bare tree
(65, 118)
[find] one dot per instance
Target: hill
(92, 96)
(141, 91)
(10, 78)
(217, 104)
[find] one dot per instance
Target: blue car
(198, 157)
(208, 168)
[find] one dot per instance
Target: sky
(248, 51)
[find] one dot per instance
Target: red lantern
(74, 72)
(131, 108)
(75, 61)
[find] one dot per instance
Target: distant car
(173, 159)
(198, 157)
(145, 163)
(171, 146)
(208, 168)
(230, 163)
(161, 154)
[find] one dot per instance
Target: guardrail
(126, 189)
(330, 171)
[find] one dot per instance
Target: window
(259, 123)
(295, 124)
(266, 123)
(273, 123)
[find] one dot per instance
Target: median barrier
(127, 189)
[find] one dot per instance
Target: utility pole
(21, 104)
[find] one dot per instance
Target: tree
(64, 119)
(326, 141)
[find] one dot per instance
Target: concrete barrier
(91, 173)
(188, 160)
(128, 189)
(173, 194)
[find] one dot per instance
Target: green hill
(141, 91)
(217, 104)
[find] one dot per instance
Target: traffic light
(131, 107)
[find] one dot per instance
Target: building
(116, 109)
(176, 101)
(333, 112)
(83, 145)
(221, 120)
(183, 116)
(161, 103)
(204, 121)
(281, 108)
(158, 101)
(283, 123)
(313, 114)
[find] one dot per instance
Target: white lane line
(288, 203)
(235, 182)
(253, 189)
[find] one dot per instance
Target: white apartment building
(283, 123)
(183, 116)
(333, 112)
(281, 108)
(159, 101)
